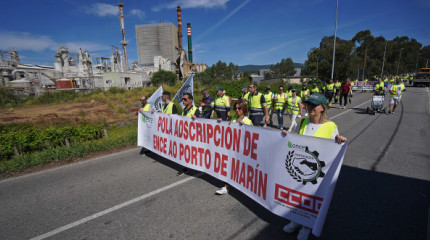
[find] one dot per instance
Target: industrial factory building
(158, 39)
(159, 47)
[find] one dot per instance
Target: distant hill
(256, 68)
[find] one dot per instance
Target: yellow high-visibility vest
(325, 131)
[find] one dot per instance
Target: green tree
(204, 77)
(284, 68)
(164, 77)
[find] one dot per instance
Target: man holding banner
(169, 107)
(316, 125)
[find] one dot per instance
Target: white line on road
(114, 208)
(349, 110)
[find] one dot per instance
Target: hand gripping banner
(292, 176)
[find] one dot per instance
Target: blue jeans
(280, 114)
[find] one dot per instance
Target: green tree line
(363, 55)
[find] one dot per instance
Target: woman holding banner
(241, 112)
(317, 125)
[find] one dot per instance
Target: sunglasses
(184, 99)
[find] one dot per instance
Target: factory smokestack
(190, 49)
(123, 42)
(178, 10)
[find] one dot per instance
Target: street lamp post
(334, 40)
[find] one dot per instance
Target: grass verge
(117, 137)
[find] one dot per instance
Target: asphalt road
(383, 191)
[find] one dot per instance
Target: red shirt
(345, 87)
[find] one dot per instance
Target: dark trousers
(329, 95)
(343, 96)
(256, 120)
(207, 114)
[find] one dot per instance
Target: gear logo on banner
(158, 104)
(303, 165)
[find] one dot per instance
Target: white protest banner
(156, 101)
(188, 87)
(292, 176)
(363, 85)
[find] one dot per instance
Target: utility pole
(334, 40)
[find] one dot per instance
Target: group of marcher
(394, 87)
(253, 107)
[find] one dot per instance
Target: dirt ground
(73, 113)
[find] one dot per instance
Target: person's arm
(196, 114)
(300, 108)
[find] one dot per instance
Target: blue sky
(238, 31)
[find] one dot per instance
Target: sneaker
(291, 227)
(222, 191)
(304, 233)
(389, 112)
(343, 107)
(392, 112)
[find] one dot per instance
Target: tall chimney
(190, 49)
(178, 10)
(123, 42)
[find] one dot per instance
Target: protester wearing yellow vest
(222, 104)
(280, 100)
(329, 91)
(241, 109)
(169, 107)
(315, 89)
(189, 111)
(294, 109)
(395, 96)
(379, 87)
(289, 90)
(257, 106)
(269, 96)
(317, 125)
(305, 93)
(145, 106)
(337, 85)
(350, 93)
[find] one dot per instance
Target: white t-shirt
(312, 128)
(295, 99)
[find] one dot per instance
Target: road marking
(350, 109)
(114, 208)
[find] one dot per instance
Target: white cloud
(137, 12)
(192, 4)
(102, 9)
(223, 20)
(91, 47)
(26, 41)
(33, 42)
